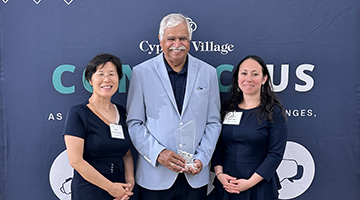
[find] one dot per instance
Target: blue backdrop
(311, 47)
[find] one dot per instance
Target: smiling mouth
(176, 50)
(248, 86)
(106, 87)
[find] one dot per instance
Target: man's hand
(198, 167)
(172, 161)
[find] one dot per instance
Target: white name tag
(116, 131)
(233, 118)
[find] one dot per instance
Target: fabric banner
(311, 48)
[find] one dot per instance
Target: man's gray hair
(173, 20)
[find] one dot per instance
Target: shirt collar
(169, 69)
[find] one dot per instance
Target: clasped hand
(233, 185)
(176, 163)
(122, 191)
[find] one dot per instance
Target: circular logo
(193, 25)
(296, 171)
(60, 176)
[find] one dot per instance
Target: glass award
(185, 142)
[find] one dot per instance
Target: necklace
(98, 107)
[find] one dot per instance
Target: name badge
(232, 118)
(116, 131)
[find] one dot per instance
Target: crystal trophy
(185, 142)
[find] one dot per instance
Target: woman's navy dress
(252, 147)
(101, 151)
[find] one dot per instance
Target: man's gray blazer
(153, 118)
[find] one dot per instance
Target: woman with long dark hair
(253, 138)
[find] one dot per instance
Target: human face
(250, 77)
(105, 80)
(175, 44)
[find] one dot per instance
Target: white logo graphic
(68, 2)
(193, 25)
(60, 176)
(296, 171)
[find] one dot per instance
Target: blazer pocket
(201, 90)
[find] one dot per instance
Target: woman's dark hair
(102, 59)
(268, 99)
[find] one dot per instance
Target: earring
(262, 88)
(238, 89)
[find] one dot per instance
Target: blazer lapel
(164, 78)
(190, 83)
